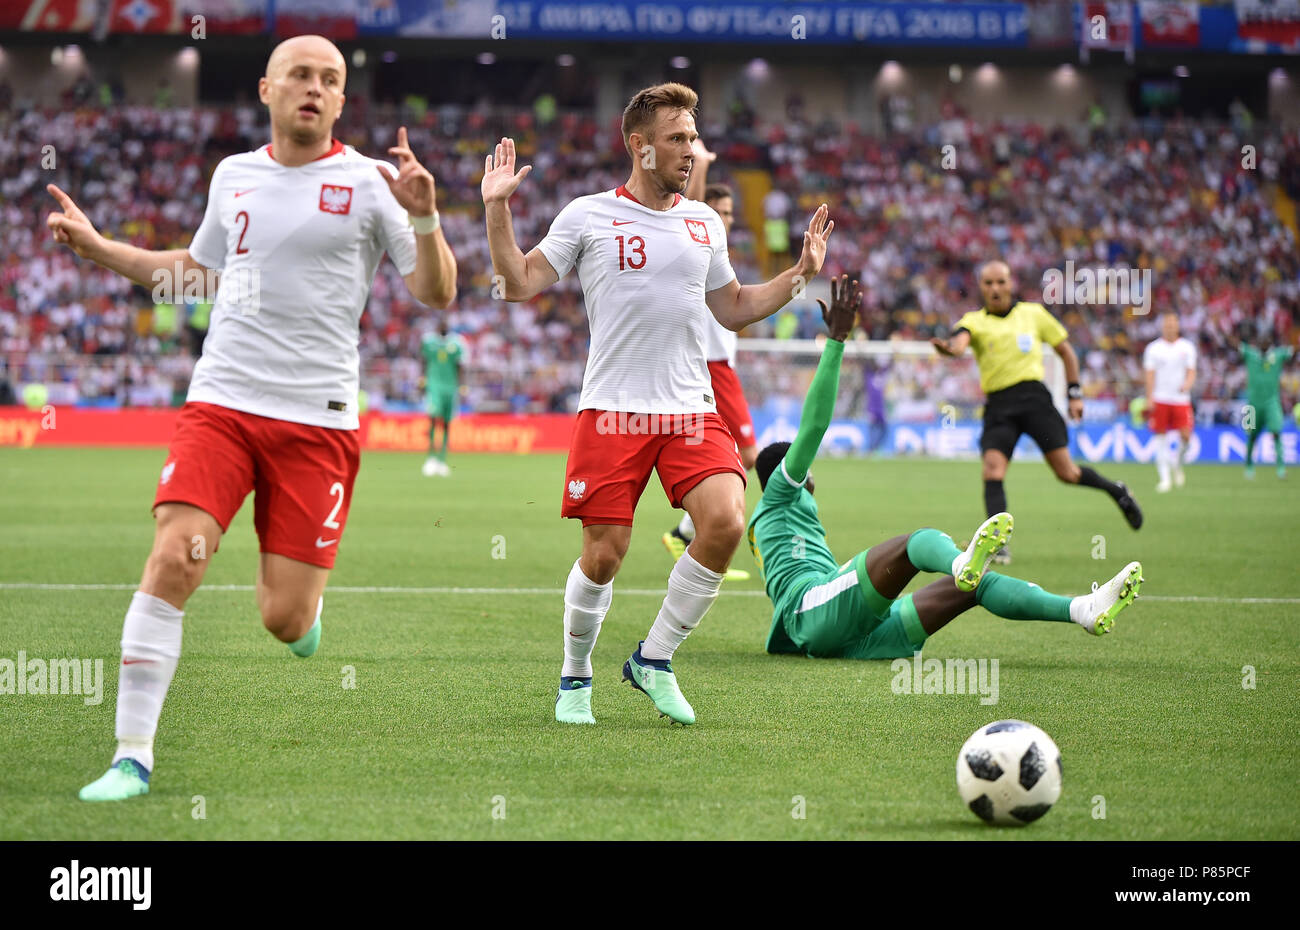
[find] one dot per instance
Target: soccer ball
(1009, 772)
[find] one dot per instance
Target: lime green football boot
(989, 539)
(674, 543)
(125, 779)
(573, 703)
(655, 678)
(1096, 612)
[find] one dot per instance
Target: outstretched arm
(147, 268)
(523, 276)
(735, 307)
(1071, 362)
(954, 346)
(433, 282)
(819, 405)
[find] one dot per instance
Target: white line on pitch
(635, 592)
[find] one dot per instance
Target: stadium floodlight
(680, 62)
(486, 58)
(1066, 76)
(1181, 71)
(565, 61)
(891, 74)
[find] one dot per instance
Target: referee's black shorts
(1026, 407)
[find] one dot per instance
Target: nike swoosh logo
(573, 634)
(322, 543)
(242, 193)
(136, 661)
(623, 222)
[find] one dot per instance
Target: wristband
(423, 225)
(1074, 392)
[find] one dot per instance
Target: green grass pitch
(448, 732)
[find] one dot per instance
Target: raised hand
(839, 317)
(71, 227)
(413, 187)
(701, 152)
(499, 177)
(814, 243)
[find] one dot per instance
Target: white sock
(1162, 459)
(686, 528)
(692, 589)
(1179, 448)
(151, 648)
(585, 606)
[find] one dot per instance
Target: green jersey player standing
(854, 611)
(442, 358)
(1263, 408)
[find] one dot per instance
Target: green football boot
(573, 703)
(1096, 612)
(655, 678)
(988, 541)
(306, 647)
(125, 779)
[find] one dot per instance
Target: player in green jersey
(1263, 409)
(824, 609)
(442, 358)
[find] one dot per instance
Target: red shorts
(301, 477)
(730, 397)
(612, 454)
(1166, 417)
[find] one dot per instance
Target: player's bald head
(996, 284)
(316, 50)
(994, 267)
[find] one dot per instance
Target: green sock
(1277, 452)
(306, 646)
(1250, 448)
(1014, 599)
(932, 551)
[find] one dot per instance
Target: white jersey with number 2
(297, 249)
(1170, 361)
(644, 274)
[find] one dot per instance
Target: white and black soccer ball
(1009, 773)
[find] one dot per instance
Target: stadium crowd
(1180, 198)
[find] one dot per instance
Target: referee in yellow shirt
(1007, 337)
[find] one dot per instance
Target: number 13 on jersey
(631, 254)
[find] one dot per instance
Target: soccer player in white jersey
(296, 230)
(653, 266)
(720, 349)
(1170, 367)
